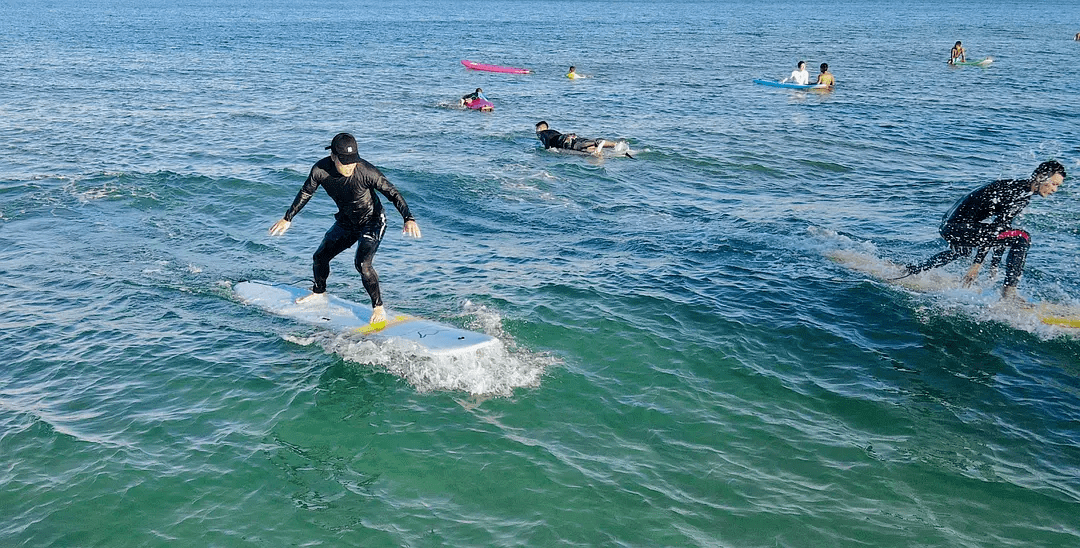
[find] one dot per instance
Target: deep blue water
(682, 363)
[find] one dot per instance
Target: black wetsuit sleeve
(384, 186)
(305, 194)
(550, 138)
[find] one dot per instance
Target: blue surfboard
(776, 84)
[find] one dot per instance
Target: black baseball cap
(344, 147)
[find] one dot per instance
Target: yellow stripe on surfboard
(1060, 321)
(379, 326)
(1059, 315)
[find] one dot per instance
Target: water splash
(495, 370)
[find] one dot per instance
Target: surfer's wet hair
(541, 123)
(1047, 170)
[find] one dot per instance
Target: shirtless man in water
(351, 182)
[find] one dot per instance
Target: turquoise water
(682, 363)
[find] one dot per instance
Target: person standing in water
(958, 54)
(799, 75)
(983, 219)
(826, 77)
(351, 182)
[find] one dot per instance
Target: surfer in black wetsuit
(570, 141)
(983, 220)
(466, 100)
(352, 183)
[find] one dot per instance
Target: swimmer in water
(799, 75)
(826, 77)
(957, 54)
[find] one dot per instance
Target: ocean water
(682, 363)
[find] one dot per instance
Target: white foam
(494, 370)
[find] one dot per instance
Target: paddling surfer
(799, 75)
(957, 54)
(570, 141)
(351, 182)
(467, 100)
(983, 219)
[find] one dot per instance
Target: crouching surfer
(983, 220)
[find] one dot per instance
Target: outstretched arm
(310, 186)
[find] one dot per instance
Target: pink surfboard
(480, 104)
(493, 68)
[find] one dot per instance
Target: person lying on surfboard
(826, 77)
(957, 54)
(351, 182)
(799, 75)
(983, 219)
(570, 141)
(467, 100)
(573, 75)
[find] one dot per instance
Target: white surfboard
(621, 150)
(339, 314)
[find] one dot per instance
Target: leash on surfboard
(908, 272)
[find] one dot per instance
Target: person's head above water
(824, 67)
(541, 125)
(1046, 178)
(1048, 169)
(801, 65)
(957, 44)
(572, 68)
(478, 90)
